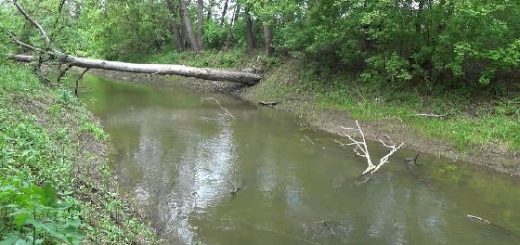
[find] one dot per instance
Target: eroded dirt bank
(491, 156)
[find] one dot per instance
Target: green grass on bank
(464, 124)
(53, 190)
(473, 118)
(231, 59)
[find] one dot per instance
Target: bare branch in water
(361, 148)
(77, 81)
(226, 113)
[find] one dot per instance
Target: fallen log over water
(49, 53)
(159, 69)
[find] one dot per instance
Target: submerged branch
(77, 81)
(226, 113)
(361, 149)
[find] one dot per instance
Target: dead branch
(161, 69)
(309, 139)
(77, 81)
(268, 103)
(361, 148)
(63, 72)
(25, 45)
(158, 69)
(487, 222)
(226, 113)
(432, 115)
(34, 23)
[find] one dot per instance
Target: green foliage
(118, 28)
(216, 59)
(31, 172)
(41, 199)
(14, 78)
(214, 34)
(96, 130)
(33, 215)
(450, 44)
(469, 42)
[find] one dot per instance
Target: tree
(200, 24)
(189, 27)
(251, 42)
(48, 54)
(175, 23)
(224, 12)
(268, 38)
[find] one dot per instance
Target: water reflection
(180, 159)
(178, 182)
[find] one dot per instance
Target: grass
(466, 124)
(474, 119)
(231, 59)
(52, 189)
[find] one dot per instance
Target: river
(261, 176)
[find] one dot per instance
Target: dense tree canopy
(434, 42)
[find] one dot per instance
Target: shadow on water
(180, 159)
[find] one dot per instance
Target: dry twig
(432, 115)
(34, 23)
(226, 113)
(361, 148)
(77, 81)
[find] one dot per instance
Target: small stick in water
(473, 217)
(412, 162)
(235, 190)
(308, 139)
(487, 222)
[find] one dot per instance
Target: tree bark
(200, 23)
(159, 69)
(237, 14)
(224, 12)
(268, 38)
(189, 27)
(175, 28)
(234, 18)
(251, 45)
(210, 9)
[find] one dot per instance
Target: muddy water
(180, 157)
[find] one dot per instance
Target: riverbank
(56, 186)
(476, 127)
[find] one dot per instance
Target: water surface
(180, 157)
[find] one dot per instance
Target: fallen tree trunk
(159, 69)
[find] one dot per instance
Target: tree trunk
(210, 9)
(182, 25)
(250, 34)
(234, 18)
(200, 23)
(237, 14)
(175, 25)
(189, 27)
(159, 69)
(224, 12)
(268, 38)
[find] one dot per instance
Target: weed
(44, 196)
(98, 132)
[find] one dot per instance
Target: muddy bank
(171, 81)
(490, 156)
(486, 157)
